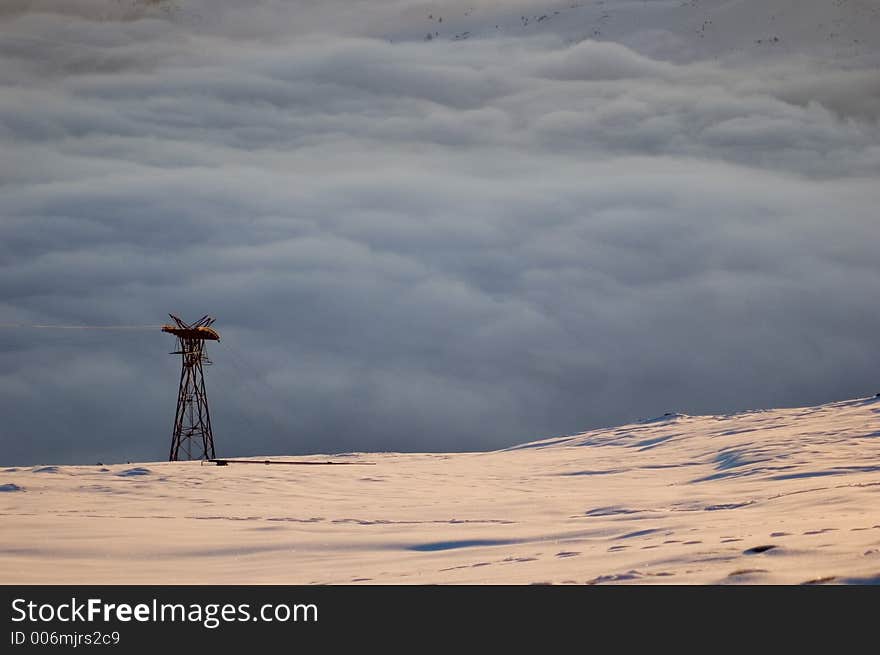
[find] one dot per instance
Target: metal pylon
(192, 436)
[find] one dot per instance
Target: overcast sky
(536, 228)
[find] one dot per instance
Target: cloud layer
(451, 244)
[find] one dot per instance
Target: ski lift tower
(192, 423)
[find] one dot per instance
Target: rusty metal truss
(192, 437)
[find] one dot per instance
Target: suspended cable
(80, 327)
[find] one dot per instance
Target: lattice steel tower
(192, 422)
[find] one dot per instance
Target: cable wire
(80, 327)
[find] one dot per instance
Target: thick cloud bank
(516, 228)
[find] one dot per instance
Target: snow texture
(774, 496)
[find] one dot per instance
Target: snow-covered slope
(775, 496)
(680, 29)
(677, 29)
